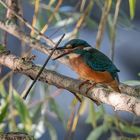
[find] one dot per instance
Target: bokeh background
(47, 112)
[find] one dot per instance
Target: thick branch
(32, 42)
(118, 101)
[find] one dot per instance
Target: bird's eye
(69, 46)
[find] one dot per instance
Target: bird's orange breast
(87, 73)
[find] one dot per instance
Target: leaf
(4, 107)
(39, 128)
(55, 108)
(98, 131)
(62, 22)
(132, 82)
(40, 20)
(3, 111)
(74, 102)
(23, 112)
(2, 90)
(132, 4)
(37, 113)
(36, 9)
(91, 115)
(100, 114)
(91, 23)
(114, 137)
(94, 115)
(51, 130)
(2, 12)
(81, 110)
(2, 48)
(131, 129)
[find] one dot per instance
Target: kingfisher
(90, 64)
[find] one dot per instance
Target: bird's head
(74, 46)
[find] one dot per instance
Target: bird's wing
(99, 62)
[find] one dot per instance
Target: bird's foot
(92, 83)
(91, 86)
(83, 83)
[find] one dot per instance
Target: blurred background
(54, 114)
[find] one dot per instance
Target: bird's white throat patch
(73, 55)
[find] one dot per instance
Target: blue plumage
(90, 63)
(97, 60)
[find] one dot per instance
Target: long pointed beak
(62, 55)
(67, 51)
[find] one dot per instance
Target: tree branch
(42, 68)
(32, 42)
(119, 101)
(50, 42)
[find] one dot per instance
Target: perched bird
(90, 63)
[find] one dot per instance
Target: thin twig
(103, 21)
(30, 41)
(81, 20)
(13, 4)
(51, 17)
(36, 10)
(42, 68)
(49, 41)
(113, 31)
(75, 120)
(69, 123)
(34, 21)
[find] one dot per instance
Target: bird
(90, 64)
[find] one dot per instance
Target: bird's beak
(65, 50)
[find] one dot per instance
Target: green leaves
(2, 48)
(3, 111)
(54, 108)
(23, 112)
(92, 115)
(132, 5)
(96, 133)
(132, 82)
(4, 103)
(52, 131)
(3, 91)
(130, 129)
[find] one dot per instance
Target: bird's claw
(92, 83)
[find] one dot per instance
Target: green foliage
(2, 48)
(52, 131)
(32, 115)
(96, 133)
(54, 108)
(132, 5)
(129, 128)
(23, 112)
(92, 115)
(2, 12)
(132, 82)
(3, 110)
